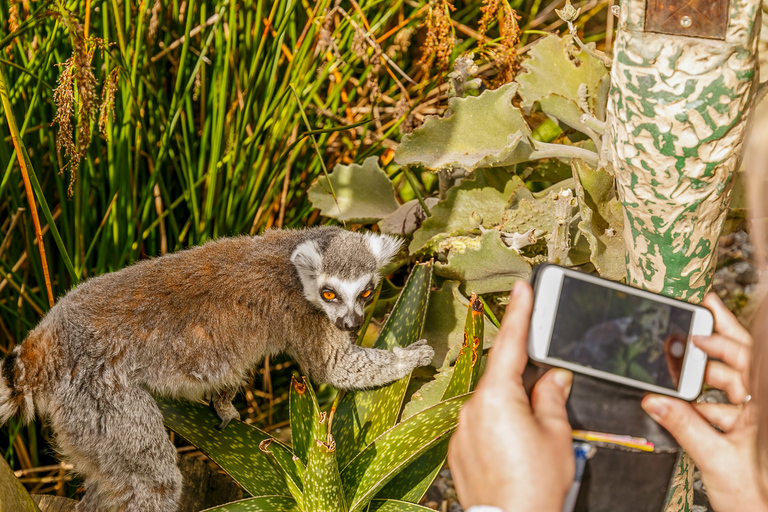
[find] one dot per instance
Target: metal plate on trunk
(693, 18)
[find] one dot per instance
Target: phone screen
(620, 333)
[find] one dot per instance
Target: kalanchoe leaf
(487, 194)
(235, 449)
(259, 504)
(484, 264)
(602, 219)
(364, 193)
(552, 75)
(406, 219)
(364, 415)
(484, 131)
(382, 459)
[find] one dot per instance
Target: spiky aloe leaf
(463, 376)
(235, 449)
(362, 416)
(444, 325)
(429, 394)
(292, 473)
(305, 413)
(259, 504)
(412, 482)
(395, 506)
(475, 330)
(323, 488)
(395, 449)
(15, 497)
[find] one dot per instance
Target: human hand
(727, 459)
(507, 451)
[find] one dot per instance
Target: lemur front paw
(416, 354)
(222, 404)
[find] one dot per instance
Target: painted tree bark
(682, 87)
(679, 107)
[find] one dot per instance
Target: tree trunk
(682, 87)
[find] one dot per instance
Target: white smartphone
(618, 333)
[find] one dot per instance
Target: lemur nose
(349, 324)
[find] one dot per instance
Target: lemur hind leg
(222, 404)
(115, 437)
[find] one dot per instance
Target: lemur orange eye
(329, 295)
(366, 294)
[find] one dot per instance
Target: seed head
(438, 45)
(568, 13)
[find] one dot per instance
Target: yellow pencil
(637, 443)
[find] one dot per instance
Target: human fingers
(509, 354)
(723, 416)
(548, 400)
(690, 429)
(723, 377)
(725, 321)
(457, 447)
(728, 350)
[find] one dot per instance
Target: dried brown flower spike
(503, 53)
(75, 97)
(438, 45)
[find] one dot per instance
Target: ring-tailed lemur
(193, 324)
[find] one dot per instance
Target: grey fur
(192, 324)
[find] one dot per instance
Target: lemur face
(344, 301)
(340, 276)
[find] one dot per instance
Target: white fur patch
(308, 262)
(383, 247)
(349, 290)
(7, 409)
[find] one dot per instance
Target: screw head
(686, 22)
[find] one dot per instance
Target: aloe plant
(370, 451)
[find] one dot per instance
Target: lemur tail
(14, 394)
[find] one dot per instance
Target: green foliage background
(217, 117)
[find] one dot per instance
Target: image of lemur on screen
(620, 333)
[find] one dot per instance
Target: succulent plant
(362, 454)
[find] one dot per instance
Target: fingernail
(656, 407)
(515, 288)
(563, 379)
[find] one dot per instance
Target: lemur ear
(383, 247)
(307, 260)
